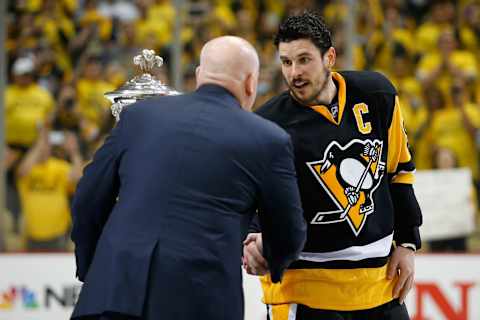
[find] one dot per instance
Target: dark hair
(307, 25)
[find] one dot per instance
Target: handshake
(253, 260)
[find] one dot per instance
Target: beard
(318, 88)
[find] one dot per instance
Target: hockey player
(355, 176)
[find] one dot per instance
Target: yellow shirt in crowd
(91, 99)
(26, 108)
(448, 131)
(44, 196)
(462, 60)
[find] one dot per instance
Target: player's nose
(296, 71)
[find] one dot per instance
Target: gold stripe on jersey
(398, 153)
(331, 289)
(404, 177)
(325, 111)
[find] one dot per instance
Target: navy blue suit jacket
(160, 213)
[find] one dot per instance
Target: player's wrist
(408, 245)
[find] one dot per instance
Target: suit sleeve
(93, 201)
(254, 226)
(280, 213)
(408, 216)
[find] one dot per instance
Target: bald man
(160, 213)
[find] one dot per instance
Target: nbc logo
(21, 297)
(27, 298)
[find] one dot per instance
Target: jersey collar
(325, 111)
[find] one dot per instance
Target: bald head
(229, 56)
(232, 63)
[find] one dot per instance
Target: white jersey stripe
(377, 249)
(292, 311)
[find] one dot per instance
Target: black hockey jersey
(345, 166)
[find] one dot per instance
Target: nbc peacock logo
(18, 295)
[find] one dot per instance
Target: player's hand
(253, 260)
(352, 195)
(370, 151)
(402, 263)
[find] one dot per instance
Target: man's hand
(253, 260)
(402, 263)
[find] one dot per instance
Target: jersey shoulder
(276, 107)
(368, 81)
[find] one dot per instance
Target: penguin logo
(350, 175)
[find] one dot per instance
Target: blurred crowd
(63, 55)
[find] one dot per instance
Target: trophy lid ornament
(142, 86)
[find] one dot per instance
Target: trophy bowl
(141, 87)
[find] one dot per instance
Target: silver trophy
(140, 87)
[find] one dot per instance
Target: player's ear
(329, 58)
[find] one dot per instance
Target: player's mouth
(299, 84)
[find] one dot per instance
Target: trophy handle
(116, 110)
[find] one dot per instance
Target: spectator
(45, 184)
(27, 105)
(394, 32)
(440, 17)
(449, 62)
(401, 73)
(434, 102)
(92, 104)
(470, 26)
(67, 116)
(454, 128)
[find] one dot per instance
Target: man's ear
(197, 76)
(330, 57)
(250, 85)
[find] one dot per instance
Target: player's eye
(304, 60)
(286, 62)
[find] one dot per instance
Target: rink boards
(43, 287)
